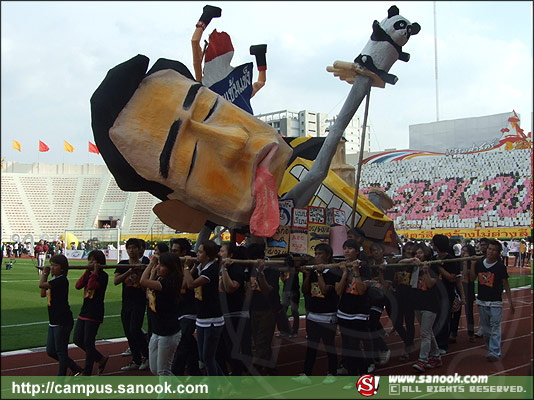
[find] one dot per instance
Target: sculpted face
(177, 132)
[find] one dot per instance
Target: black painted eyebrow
(191, 94)
(165, 156)
(193, 159)
(212, 110)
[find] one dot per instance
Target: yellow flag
(67, 146)
(16, 145)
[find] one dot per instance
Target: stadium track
(463, 357)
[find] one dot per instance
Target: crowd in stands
(446, 193)
(236, 308)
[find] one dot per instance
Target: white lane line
(46, 322)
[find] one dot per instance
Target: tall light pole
(436, 61)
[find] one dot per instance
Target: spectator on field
(144, 259)
(94, 283)
(163, 278)
(522, 252)
(482, 247)
(40, 253)
(505, 251)
(514, 251)
(492, 278)
(133, 306)
(59, 313)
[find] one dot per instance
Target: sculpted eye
(400, 25)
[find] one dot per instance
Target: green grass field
(24, 315)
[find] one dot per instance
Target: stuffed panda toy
(385, 45)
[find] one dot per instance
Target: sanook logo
(367, 385)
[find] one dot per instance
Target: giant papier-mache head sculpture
(205, 158)
(208, 160)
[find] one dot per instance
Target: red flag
(43, 147)
(93, 148)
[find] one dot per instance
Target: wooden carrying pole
(281, 264)
(360, 160)
(400, 265)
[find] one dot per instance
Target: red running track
(464, 358)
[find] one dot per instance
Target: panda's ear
(415, 28)
(393, 10)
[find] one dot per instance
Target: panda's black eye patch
(400, 25)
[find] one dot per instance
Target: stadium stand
(42, 199)
(485, 189)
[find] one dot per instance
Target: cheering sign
(300, 218)
(316, 215)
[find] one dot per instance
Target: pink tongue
(266, 216)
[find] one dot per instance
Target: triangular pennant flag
(43, 147)
(16, 145)
(93, 148)
(67, 146)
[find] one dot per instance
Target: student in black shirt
(210, 320)
(187, 351)
(424, 279)
(133, 306)
(321, 321)
(403, 312)
(265, 303)
(290, 298)
(492, 278)
(163, 279)
(451, 278)
(353, 310)
(94, 282)
(60, 316)
(469, 289)
(236, 346)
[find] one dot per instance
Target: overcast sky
(55, 54)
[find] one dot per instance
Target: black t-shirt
(320, 302)
(186, 306)
(207, 296)
(93, 299)
(490, 280)
(259, 301)
(290, 282)
(59, 312)
(163, 309)
(453, 268)
(133, 294)
(425, 298)
(233, 302)
(351, 301)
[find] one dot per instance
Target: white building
(313, 124)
